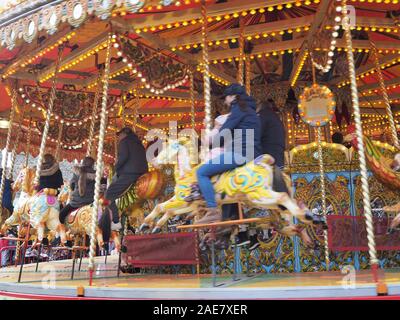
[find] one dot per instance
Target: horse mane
(27, 184)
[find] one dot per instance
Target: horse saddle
(72, 216)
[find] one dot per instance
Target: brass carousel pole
(193, 153)
(7, 147)
(99, 160)
(136, 107)
(28, 142)
(14, 151)
(48, 117)
(123, 102)
(361, 150)
(323, 193)
(240, 74)
(322, 178)
(93, 120)
(58, 147)
(206, 75)
(392, 124)
(28, 145)
(248, 74)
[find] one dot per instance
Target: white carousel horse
(40, 209)
(22, 203)
(250, 184)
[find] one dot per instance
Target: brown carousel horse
(78, 222)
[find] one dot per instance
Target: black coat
(239, 119)
(272, 135)
(131, 156)
(54, 181)
(77, 200)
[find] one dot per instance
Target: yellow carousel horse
(250, 184)
(381, 167)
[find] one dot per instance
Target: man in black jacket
(272, 134)
(131, 164)
(273, 142)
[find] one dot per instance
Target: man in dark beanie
(131, 164)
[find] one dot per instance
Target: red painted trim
(332, 247)
(50, 297)
(162, 235)
(160, 262)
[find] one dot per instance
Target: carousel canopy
(157, 45)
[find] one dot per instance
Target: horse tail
(105, 225)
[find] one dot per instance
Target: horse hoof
(156, 230)
(124, 249)
(309, 216)
(144, 227)
(390, 231)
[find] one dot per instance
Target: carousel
(74, 72)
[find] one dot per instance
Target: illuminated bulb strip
(281, 52)
(217, 18)
(214, 77)
(373, 29)
(368, 73)
(333, 146)
(376, 91)
(78, 60)
(234, 40)
(325, 68)
(161, 115)
(31, 59)
(377, 1)
(300, 67)
(146, 96)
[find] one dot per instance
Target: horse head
(64, 194)
(24, 180)
(174, 151)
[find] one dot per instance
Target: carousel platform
(53, 281)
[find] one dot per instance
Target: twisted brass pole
(248, 74)
(239, 76)
(323, 193)
(48, 116)
(93, 120)
(206, 74)
(28, 142)
(360, 142)
(392, 124)
(99, 160)
(16, 142)
(58, 147)
(123, 102)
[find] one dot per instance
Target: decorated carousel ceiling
(156, 45)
